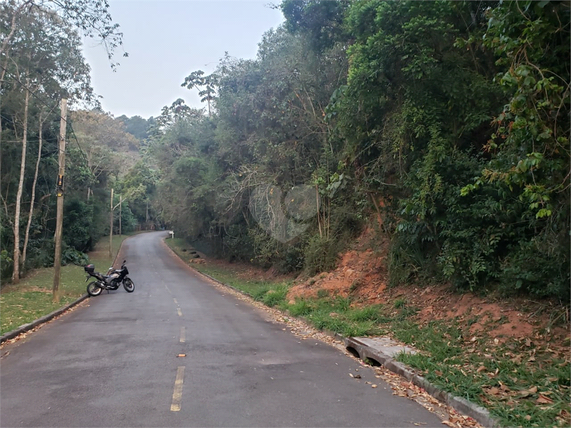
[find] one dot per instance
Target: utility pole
(111, 228)
(60, 187)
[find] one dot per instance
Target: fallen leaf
(528, 392)
(481, 369)
(543, 400)
(527, 418)
(181, 355)
(373, 386)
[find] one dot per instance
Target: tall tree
(206, 86)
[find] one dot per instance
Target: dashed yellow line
(179, 312)
(182, 335)
(177, 393)
(175, 302)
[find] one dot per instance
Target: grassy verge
(32, 297)
(520, 382)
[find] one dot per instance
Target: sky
(166, 41)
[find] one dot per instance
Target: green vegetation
(446, 120)
(41, 63)
(519, 387)
(32, 297)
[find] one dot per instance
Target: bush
(6, 264)
(276, 296)
(320, 255)
(72, 256)
(78, 224)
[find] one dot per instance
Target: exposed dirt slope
(362, 274)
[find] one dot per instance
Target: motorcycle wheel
(93, 289)
(129, 285)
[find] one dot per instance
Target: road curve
(179, 352)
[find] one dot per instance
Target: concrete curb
(478, 413)
(26, 327)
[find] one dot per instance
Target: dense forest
(442, 124)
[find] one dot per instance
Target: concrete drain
(353, 351)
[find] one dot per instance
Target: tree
(137, 126)
(105, 145)
(528, 154)
(197, 79)
(92, 17)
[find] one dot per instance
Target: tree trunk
(33, 197)
(16, 272)
(111, 227)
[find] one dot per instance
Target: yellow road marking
(167, 288)
(182, 334)
(177, 394)
(175, 302)
(179, 312)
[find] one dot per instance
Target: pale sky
(166, 41)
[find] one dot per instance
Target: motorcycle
(111, 281)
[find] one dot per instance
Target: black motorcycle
(111, 281)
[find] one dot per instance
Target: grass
(529, 391)
(32, 298)
(520, 384)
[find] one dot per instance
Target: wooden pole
(60, 187)
(111, 228)
(120, 214)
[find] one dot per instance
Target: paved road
(116, 363)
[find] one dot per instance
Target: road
(180, 352)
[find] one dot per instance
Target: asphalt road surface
(117, 362)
